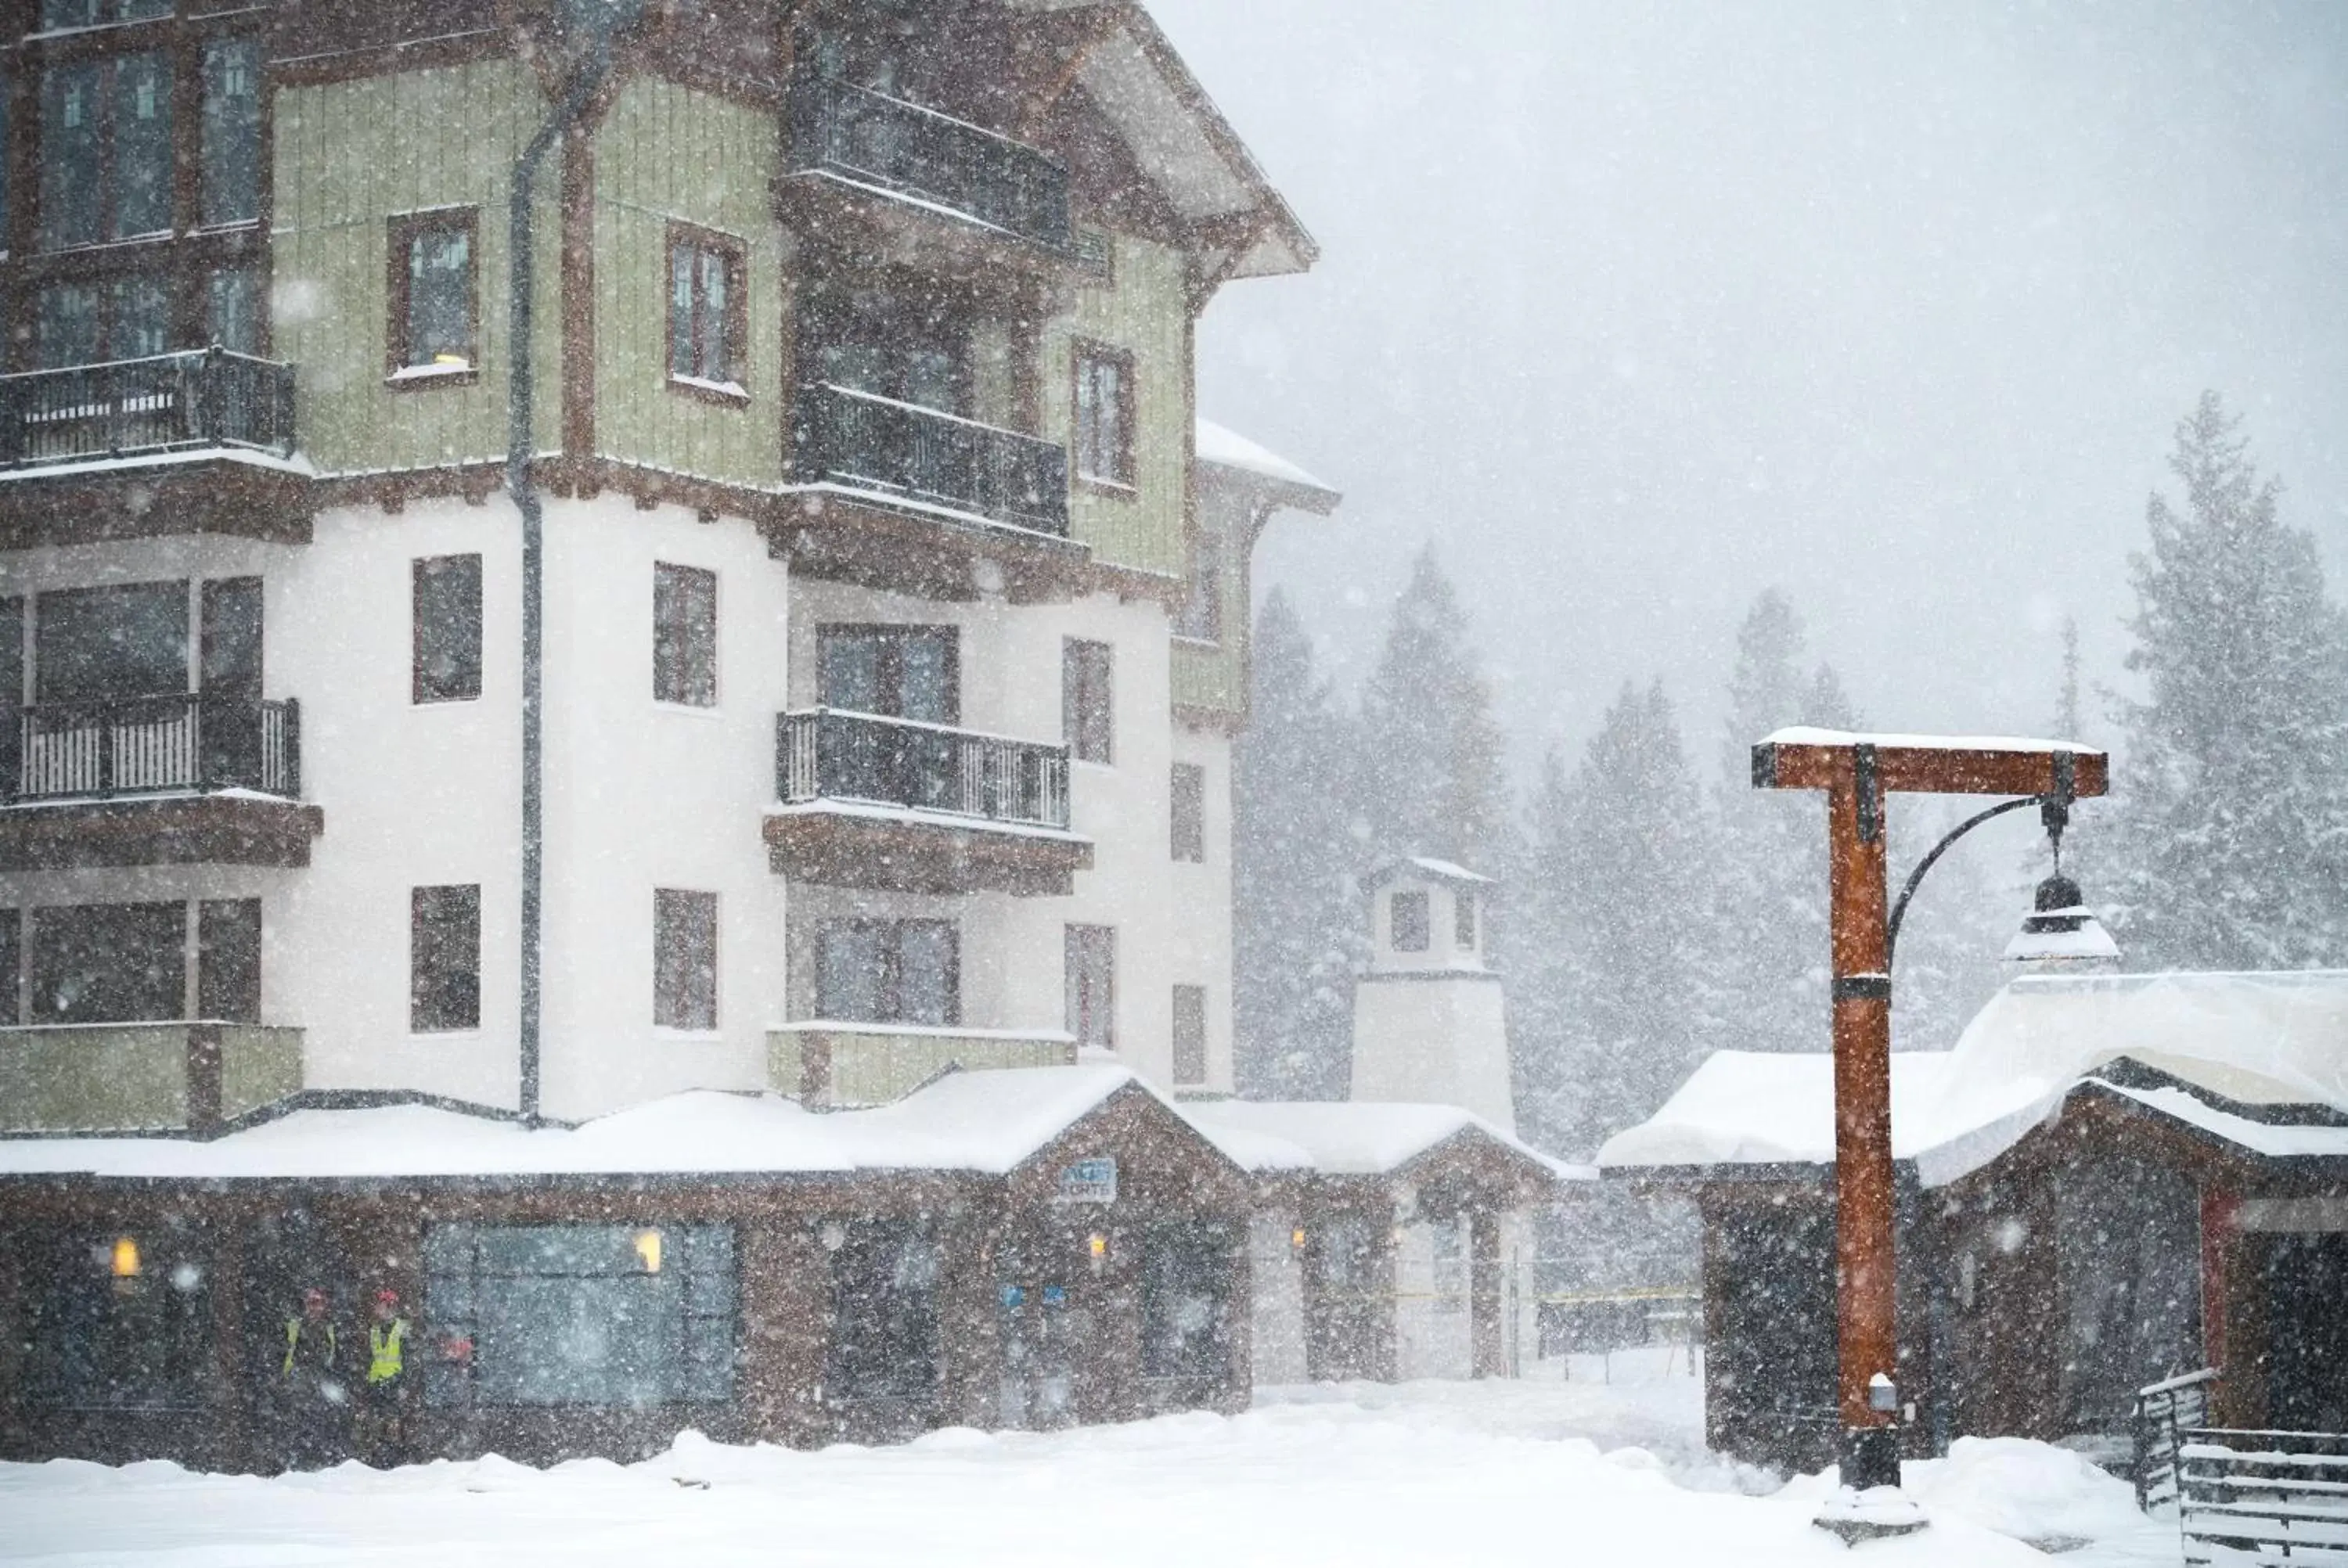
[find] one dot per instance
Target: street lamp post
(1857, 772)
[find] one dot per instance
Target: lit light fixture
(1098, 1245)
(126, 1257)
(1296, 1238)
(648, 1250)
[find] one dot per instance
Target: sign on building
(1089, 1181)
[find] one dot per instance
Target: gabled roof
(1259, 467)
(1355, 1138)
(2225, 1050)
(983, 1123)
(1177, 137)
(1424, 868)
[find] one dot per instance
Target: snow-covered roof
(2254, 1039)
(1348, 1138)
(987, 1123)
(1810, 736)
(1224, 448)
(1426, 866)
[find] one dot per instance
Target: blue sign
(1055, 1296)
(1014, 1295)
(1089, 1181)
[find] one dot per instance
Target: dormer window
(1407, 921)
(1462, 921)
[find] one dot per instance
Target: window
(108, 963)
(1407, 918)
(1200, 618)
(1103, 400)
(1463, 919)
(625, 1315)
(444, 959)
(12, 968)
(228, 960)
(232, 310)
(1187, 793)
(435, 299)
(884, 1310)
(1087, 704)
(898, 672)
(684, 959)
(888, 971)
(447, 608)
(230, 153)
(87, 324)
(12, 665)
(229, 653)
(106, 150)
(128, 641)
(1190, 1034)
(57, 16)
(118, 1321)
(1091, 960)
(708, 311)
(684, 636)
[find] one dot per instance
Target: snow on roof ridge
(1361, 1137)
(1227, 448)
(1812, 735)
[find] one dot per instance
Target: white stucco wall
(1432, 1039)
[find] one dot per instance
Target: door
(2307, 1332)
(229, 676)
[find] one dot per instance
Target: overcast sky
(1636, 308)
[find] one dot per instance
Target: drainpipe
(521, 442)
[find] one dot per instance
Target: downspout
(521, 442)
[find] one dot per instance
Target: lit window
(435, 300)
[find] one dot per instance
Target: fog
(1634, 310)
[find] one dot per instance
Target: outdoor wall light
(648, 1249)
(833, 1236)
(125, 1261)
(1296, 1238)
(1097, 1245)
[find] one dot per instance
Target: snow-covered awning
(982, 1123)
(2228, 1044)
(1355, 1138)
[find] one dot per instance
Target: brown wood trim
(912, 856)
(579, 294)
(736, 254)
(324, 69)
(203, 495)
(1080, 351)
(401, 232)
(183, 830)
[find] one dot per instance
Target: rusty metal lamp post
(1857, 772)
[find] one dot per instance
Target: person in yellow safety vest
(311, 1382)
(386, 1387)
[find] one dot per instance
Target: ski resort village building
(695, 908)
(2112, 1181)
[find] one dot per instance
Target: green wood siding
(1146, 314)
(350, 156)
(665, 152)
(1211, 676)
(880, 1066)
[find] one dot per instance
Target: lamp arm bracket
(1916, 877)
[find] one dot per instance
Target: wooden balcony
(180, 778)
(880, 802)
(896, 495)
(160, 1077)
(880, 177)
(843, 1066)
(200, 442)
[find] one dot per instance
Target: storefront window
(884, 1311)
(581, 1315)
(120, 1321)
(1185, 1284)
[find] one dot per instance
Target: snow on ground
(1537, 1472)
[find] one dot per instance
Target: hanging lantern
(2061, 932)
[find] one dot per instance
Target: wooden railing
(174, 402)
(826, 753)
(183, 740)
(873, 139)
(864, 442)
(2263, 1498)
(2163, 1413)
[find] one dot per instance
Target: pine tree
(1431, 755)
(1297, 918)
(1771, 867)
(2229, 849)
(1621, 1007)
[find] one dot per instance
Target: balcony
(881, 803)
(845, 1066)
(906, 181)
(142, 1077)
(179, 778)
(207, 436)
(900, 497)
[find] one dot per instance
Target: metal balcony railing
(825, 753)
(866, 442)
(179, 743)
(172, 403)
(858, 134)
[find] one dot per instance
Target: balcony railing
(865, 442)
(827, 754)
(183, 742)
(870, 138)
(175, 402)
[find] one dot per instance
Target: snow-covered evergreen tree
(1431, 760)
(1771, 869)
(1621, 1004)
(2229, 849)
(1297, 915)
